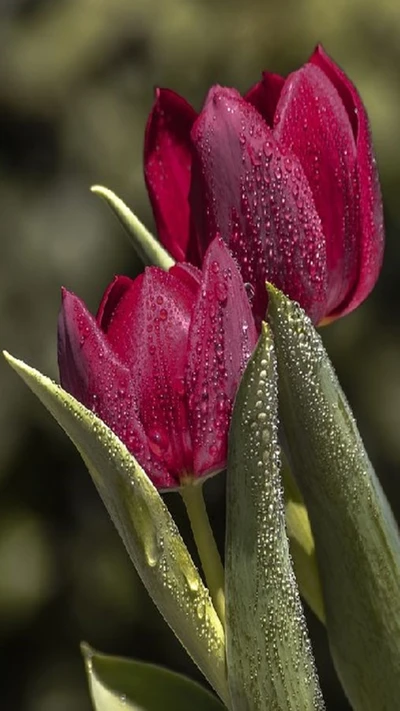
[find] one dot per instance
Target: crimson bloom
(161, 362)
(286, 175)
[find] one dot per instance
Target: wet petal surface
(221, 339)
(257, 197)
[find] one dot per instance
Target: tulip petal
(312, 122)
(167, 165)
(189, 274)
(260, 202)
(111, 297)
(264, 95)
(86, 360)
(221, 339)
(92, 372)
(346, 90)
(371, 241)
(148, 330)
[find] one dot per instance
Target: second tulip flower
(161, 362)
(285, 174)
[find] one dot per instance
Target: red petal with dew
(264, 95)
(92, 372)
(372, 236)
(149, 332)
(221, 340)
(258, 198)
(312, 123)
(167, 166)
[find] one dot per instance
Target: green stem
(192, 495)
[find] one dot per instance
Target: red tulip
(286, 175)
(161, 362)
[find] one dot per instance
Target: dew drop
(221, 292)
(200, 610)
(151, 550)
(158, 440)
(268, 149)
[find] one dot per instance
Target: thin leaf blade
(147, 247)
(146, 527)
(269, 658)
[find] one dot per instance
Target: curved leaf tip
(147, 529)
(118, 684)
(147, 247)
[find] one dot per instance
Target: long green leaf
(118, 684)
(356, 537)
(145, 525)
(147, 247)
(269, 658)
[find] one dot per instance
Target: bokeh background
(76, 85)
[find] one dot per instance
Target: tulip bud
(161, 362)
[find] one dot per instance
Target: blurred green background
(76, 85)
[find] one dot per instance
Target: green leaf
(147, 247)
(302, 545)
(356, 537)
(118, 684)
(269, 658)
(145, 525)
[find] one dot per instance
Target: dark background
(76, 85)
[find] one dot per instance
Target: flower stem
(192, 495)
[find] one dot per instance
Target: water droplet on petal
(221, 292)
(158, 440)
(268, 149)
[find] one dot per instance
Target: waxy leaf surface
(356, 537)
(145, 525)
(269, 657)
(118, 684)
